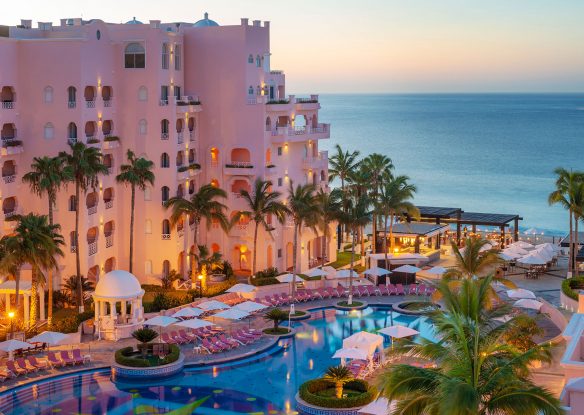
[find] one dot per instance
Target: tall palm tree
(567, 182)
(341, 166)
(359, 184)
(46, 178)
(473, 260)
(203, 204)
(10, 262)
(262, 203)
(476, 370)
(330, 207)
(36, 242)
(303, 209)
(83, 165)
(358, 215)
(380, 169)
(394, 202)
(137, 173)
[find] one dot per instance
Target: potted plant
(144, 336)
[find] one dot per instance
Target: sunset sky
(382, 45)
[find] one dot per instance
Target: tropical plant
(144, 335)
(46, 178)
(521, 333)
(330, 207)
(166, 280)
(475, 370)
(37, 243)
(82, 166)
(338, 375)
(208, 261)
(303, 210)
(203, 204)
(137, 174)
(393, 202)
(276, 316)
(473, 260)
(71, 287)
(359, 185)
(9, 265)
(565, 194)
(263, 203)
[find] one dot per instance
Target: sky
(382, 46)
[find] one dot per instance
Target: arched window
(165, 55)
(165, 193)
(134, 56)
(48, 94)
(250, 90)
(71, 97)
(147, 194)
(143, 127)
(164, 161)
(166, 267)
(258, 61)
(250, 58)
(142, 93)
(164, 127)
(49, 131)
(268, 124)
(165, 228)
(191, 187)
(148, 226)
(192, 156)
(72, 130)
(72, 203)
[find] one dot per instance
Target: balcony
(107, 103)
(180, 137)
(307, 104)
(109, 241)
(90, 104)
(71, 104)
(255, 100)
(72, 140)
(165, 236)
(91, 210)
(317, 163)
(163, 102)
(111, 142)
(7, 105)
(9, 178)
(271, 169)
(300, 133)
(188, 103)
(11, 146)
(164, 136)
(92, 248)
(109, 204)
(239, 168)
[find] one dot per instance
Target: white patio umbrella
(506, 257)
(286, 278)
(522, 245)
(346, 273)
(194, 323)
(241, 288)
(188, 312)
(376, 271)
(528, 303)
(231, 314)
(316, 272)
(52, 338)
(407, 269)
(250, 306)
(516, 250)
(511, 253)
(398, 332)
(436, 270)
(520, 293)
(160, 321)
(213, 305)
(350, 353)
(532, 260)
(381, 406)
(11, 345)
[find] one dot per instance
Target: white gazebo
(115, 287)
(8, 288)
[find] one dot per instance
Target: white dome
(118, 284)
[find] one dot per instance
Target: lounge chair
(284, 298)
(220, 344)
(5, 375)
(178, 338)
(210, 347)
(392, 289)
(240, 334)
(38, 363)
(167, 339)
(23, 364)
(17, 371)
(230, 341)
(186, 335)
(341, 291)
(372, 290)
(303, 296)
(64, 355)
(383, 289)
(421, 289)
(363, 290)
(400, 289)
(80, 358)
(54, 360)
(430, 290)
(242, 339)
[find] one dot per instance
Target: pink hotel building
(199, 100)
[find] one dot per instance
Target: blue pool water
(264, 384)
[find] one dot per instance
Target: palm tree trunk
(294, 258)
(576, 247)
(571, 248)
(132, 226)
(34, 285)
(50, 273)
(193, 269)
(77, 249)
(343, 226)
(385, 242)
(374, 233)
(324, 244)
(16, 292)
(391, 241)
(354, 235)
(255, 252)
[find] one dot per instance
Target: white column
(124, 307)
(96, 310)
(7, 302)
(26, 309)
(113, 311)
(42, 303)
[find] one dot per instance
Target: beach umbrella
(407, 269)
(376, 271)
(436, 270)
(285, 278)
(250, 306)
(194, 323)
(532, 260)
(516, 250)
(346, 273)
(511, 253)
(160, 321)
(241, 288)
(350, 353)
(528, 303)
(506, 257)
(188, 312)
(232, 314)
(213, 305)
(398, 332)
(546, 256)
(522, 245)
(11, 345)
(52, 338)
(520, 293)
(381, 406)
(316, 272)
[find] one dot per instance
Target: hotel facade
(199, 100)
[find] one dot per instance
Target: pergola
(8, 288)
(118, 287)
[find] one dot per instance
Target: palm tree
(83, 165)
(46, 177)
(359, 184)
(567, 182)
(358, 215)
(71, 286)
(473, 261)
(476, 371)
(10, 262)
(202, 205)
(394, 202)
(303, 209)
(341, 166)
(380, 169)
(137, 173)
(36, 242)
(330, 208)
(338, 375)
(262, 203)
(276, 316)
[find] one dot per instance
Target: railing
(311, 100)
(8, 215)
(180, 137)
(299, 130)
(163, 102)
(72, 104)
(165, 236)
(92, 210)
(110, 170)
(9, 179)
(180, 232)
(72, 140)
(239, 164)
(90, 104)
(241, 227)
(109, 241)
(89, 138)
(252, 100)
(8, 105)
(320, 128)
(73, 249)
(236, 195)
(191, 136)
(92, 248)
(107, 102)
(276, 72)
(164, 136)
(109, 204)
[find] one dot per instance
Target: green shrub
(71, 324)
(127, 357)
(12, 143)
(93, 141)
(112, 138)
(153, 288)
(194, 166)
(570, 287)
(265, 277)
(309, 393)
(213, 290)
(182, 169)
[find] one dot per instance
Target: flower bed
(128, 357)
(320, 392)
(570, 287)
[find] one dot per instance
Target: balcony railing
(236, 195)
(107, 103)
(241, 227)
(92, 248)
(300, 130)
(8, 215)
(163, 102)
(8, 105)
(164, 136)
(71, 140)
(72, 104)
(165, 236)
(109, 241)
(73, 249)
(90, 104)
(110, 170)
(9, 179)
(109, 204)
(180, 137)
(92, 210)
(191, 136)
(239, 165)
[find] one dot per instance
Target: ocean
(492, 153)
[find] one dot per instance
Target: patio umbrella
(194, 323)
(506, 257)
(52, 338)
(285, 278)
(511, 253)
(316, 272)
(213, 305)
(380, 406)
(346, 273)
(231, 314)
(160, 321)
(11, 345)
(520, 293)
(407, 269)
(241, 288)
(516, 250)
(250, 306)
(532, 260)
(376, 271)
(188, 312)
(350, 353)
(398, 332)
(522, 245)
(436, 270)
(528, 303)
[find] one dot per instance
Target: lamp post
(200, 278)
(11, 317)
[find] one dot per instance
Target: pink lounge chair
(16, 370)
(421, 289)
(303, 296)
(242, 339)
(64, 355)
(363, 290)
(230, 341)
(23, 364)
(220, 344)
(167, 339)
(191, 336)
(331, 292)
(79, 358)
(269, 302)
(256, 334)
(383, 289)
(210, 347)
(284, 299)
(323, 293)
(178, 338)
(54, 360)
(37, 363)
(392, 289)
(400, 289)
(430, 290)
(372, 290)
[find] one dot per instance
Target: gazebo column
(26, 302)
(113, 311)
(516, 230)
(42, 304)
(7, 302)
(96, 310)
(503, 236)
(417, 245)
(124, 306)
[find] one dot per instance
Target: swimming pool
(264, 384)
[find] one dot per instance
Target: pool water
(264, 384)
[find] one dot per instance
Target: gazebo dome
(206, 22)
(134, 21)
(118, 284)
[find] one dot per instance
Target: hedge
(308, 392)
(569, 285)
(122, 357)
